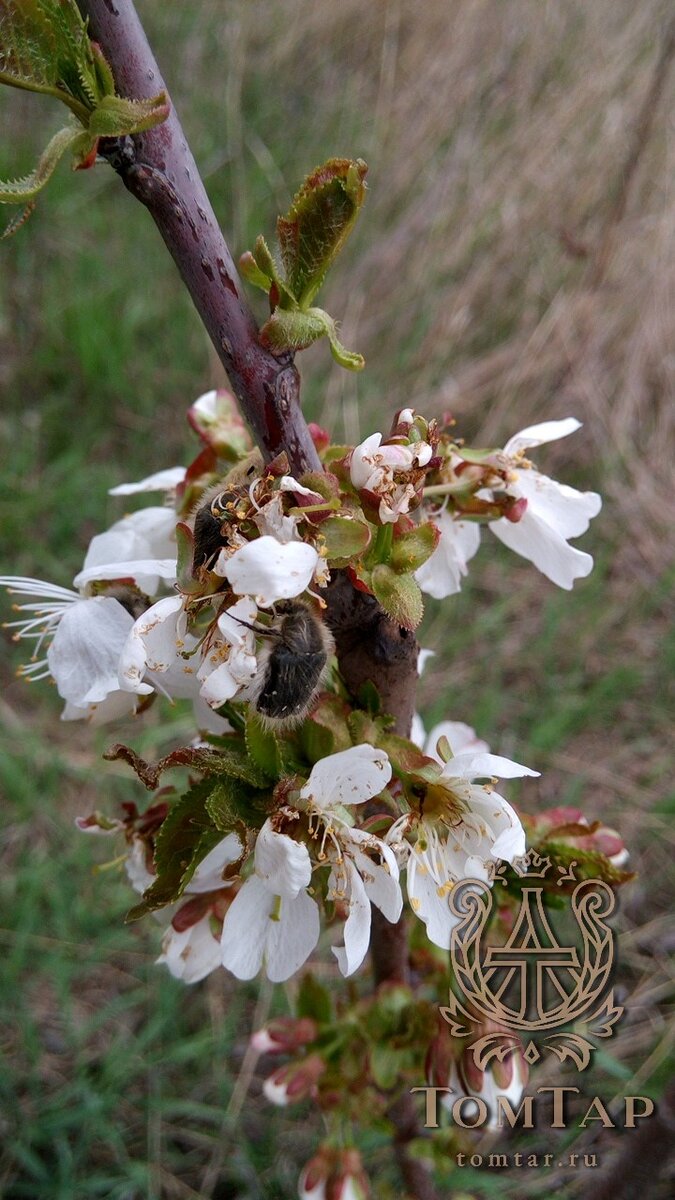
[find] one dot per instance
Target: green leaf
(330, 715)
(288, 329)
(369, 698)
(227, 758)
(185, 837)
(263, 747)
(317, 741)
(346, 358)
(411, 549)
(318, 222)
(407, 760)
(19, 191)
(588, 864)
(115, 117)
(251, 271)
(384, 1065)
(345, 539)
(364, 728)
(291, 329)
(231, 806)
(185, 544)
(233, 760)
(399, 595)
(264, 260)
(314, 1000)
(44, 47)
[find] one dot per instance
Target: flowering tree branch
(158, 168)
(309, 795)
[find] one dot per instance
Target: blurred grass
(499, 139)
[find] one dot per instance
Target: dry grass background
(515, 261)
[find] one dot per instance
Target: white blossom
(269, 570)
(272, 920)
(487, 830)
(384, 470)
(159, 653)
(142, 546)
(554, 514)
(229, 661)
(363, 868)
(193, 953)
(84, 636)
(441, 575)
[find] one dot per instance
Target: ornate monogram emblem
(532, 984)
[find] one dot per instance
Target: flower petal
(441, 574)
(145, 535)
(115, 706)
(292, 937)
(161, 481)
(269, 570)
(208, 876)
(429, 902)
(145, 572)
(192, 954)
(245, 929)
(281, 863)
(537, 435)
(541, 545)
(484, 766)
(379, 879)
(357, 926)
(84, 654)
(349, 777)
(154, 649)
(561, 507)
(462, 738)
(259, 925)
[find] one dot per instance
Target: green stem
(76, 107)
(384, 539)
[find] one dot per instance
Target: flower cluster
(217, 596)
(184, 598)
(304, 809)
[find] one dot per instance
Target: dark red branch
(158, 169)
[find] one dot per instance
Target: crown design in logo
(532, 865)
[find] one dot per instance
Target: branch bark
(157, 167)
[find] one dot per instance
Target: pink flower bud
(515, 510)
(319, 436)
(191, 912)
(295, 1081)
(334, 1175)
(284, 1035)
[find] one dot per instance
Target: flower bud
(295, 1081)
(334, 1175)
(319, 436)
(515, 510)
(284, 1035)
(451, 1063)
